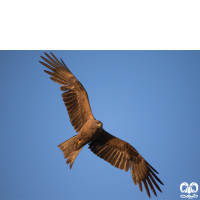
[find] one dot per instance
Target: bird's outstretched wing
(75, 96)
(122, 155)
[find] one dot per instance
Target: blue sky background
(150, 99)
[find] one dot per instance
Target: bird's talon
(79, 141)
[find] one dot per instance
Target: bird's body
(86, 135)
(90, 131)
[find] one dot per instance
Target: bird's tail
(67, 149)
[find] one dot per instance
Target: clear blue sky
(150, 99)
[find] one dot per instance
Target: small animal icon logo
(192, 188)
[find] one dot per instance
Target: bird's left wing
(122, 155)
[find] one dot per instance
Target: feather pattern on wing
(123, 156)
(75, 96)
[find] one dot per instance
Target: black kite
(90, 131)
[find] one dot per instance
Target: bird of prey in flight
(90, 131)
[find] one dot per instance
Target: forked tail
(67, 149)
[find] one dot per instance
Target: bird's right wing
(75, 96)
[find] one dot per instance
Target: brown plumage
(90, 131)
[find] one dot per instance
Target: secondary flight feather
(90, 131)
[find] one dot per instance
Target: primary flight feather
(90, 131)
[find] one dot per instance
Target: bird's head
(99, 123)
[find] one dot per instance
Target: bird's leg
(78, 141)
(77, 144)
